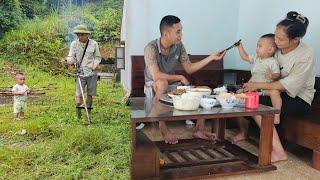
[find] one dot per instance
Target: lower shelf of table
(193, 158)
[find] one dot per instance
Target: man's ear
(165, 33)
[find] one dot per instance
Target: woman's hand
(250, 86)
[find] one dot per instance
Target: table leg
(219, 127)
(133, 134)
(133, 146)
(144, 156)
(265, 143)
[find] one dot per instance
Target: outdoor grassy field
(56, 145)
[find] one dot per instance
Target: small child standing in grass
(20, 92)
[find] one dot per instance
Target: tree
(10, 15)
(32, 8)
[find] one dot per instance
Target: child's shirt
(261, 67)
(18, 88)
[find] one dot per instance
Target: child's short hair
(270, 36)
(19, 73)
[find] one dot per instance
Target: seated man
(161, 58)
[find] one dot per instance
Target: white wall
(260, 17)
(208, 25)
(211, 25)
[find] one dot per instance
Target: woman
(297, 65)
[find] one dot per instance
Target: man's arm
(193, 67)
(156, 74)
(71, 59)
(97, 57)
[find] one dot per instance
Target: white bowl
(227, 102)
(200, 92)
(186, 102)
(208, 103)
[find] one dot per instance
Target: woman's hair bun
(294, 16)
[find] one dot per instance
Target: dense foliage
(10, 15)
(43, 41)
(32, 8)
(36, 42)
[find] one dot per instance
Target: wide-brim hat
(81, 29)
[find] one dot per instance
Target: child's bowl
(208, 103)
(227, 102)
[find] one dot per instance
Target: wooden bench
(211, 75)
(305, 130)
(302, 130)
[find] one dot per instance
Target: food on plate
(226, 95)
(162, 162)
(185, 87)
(206, 87)
(240, 95)
(200, 90)
(178, 91)
(220, 90)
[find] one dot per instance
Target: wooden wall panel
(211, 75)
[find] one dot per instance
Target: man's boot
(78, 110)
(89, 106)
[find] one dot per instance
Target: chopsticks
(234, 45)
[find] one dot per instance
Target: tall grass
(38, 42)
(57, 145)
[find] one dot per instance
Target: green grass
(57, 145)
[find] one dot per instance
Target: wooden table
(196, 158)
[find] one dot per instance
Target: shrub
(32, 8)
(38, 42)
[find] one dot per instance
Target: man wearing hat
(84, 53)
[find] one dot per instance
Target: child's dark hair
(270, 36)
(168, 21)
(295, 25)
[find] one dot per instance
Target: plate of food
(185, 87)
(175, 92)
(199, 91)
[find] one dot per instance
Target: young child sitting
(19, 91)
(265, 68)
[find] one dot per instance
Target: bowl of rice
(186, 102)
